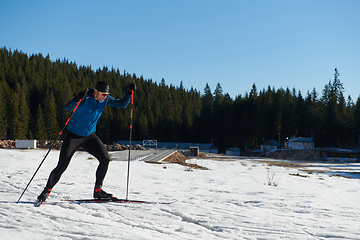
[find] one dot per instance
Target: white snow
(233, 200)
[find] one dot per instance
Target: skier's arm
(122, 103)
(119, 103)
(70, 105)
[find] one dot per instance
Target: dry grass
(179, 158)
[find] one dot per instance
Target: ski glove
(81, 95)
(131, 87)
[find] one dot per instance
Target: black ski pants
(72, 142)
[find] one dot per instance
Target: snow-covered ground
(233, 200)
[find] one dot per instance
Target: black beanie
(103, 86)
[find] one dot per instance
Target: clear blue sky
(281, 43)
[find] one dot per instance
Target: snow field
(233, 200)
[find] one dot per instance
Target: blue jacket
(87, 114)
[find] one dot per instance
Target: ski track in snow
(230, 201)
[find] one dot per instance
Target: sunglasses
(104, 94)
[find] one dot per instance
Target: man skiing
(81, 133)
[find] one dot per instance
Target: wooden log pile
(47, 144)
(7, 144)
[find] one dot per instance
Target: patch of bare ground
(283, 163)
(338, 175)
(217, 157)
(300, 166)
(179, 158)
(302, 161)
(298, 175)
(294, 155)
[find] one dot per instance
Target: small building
(25, 144)
(270, 146)
(233, 151)
(211, 149)
(300, 143)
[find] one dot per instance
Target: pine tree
(51, 124)
(356, 116)
(40, 133)
(13, 117)
(206, 125)
(218, 119)
(252, 113)
(24, 112)
(2, 111)
(333, 99)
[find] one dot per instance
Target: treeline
(33, 91)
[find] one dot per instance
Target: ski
(94, 200)
(114, 199)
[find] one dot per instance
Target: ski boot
(44, 194)
(101, 194)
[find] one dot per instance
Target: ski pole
(51, 146)
(131, 119)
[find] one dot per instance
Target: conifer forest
(34, 89)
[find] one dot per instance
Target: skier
(81, 133)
